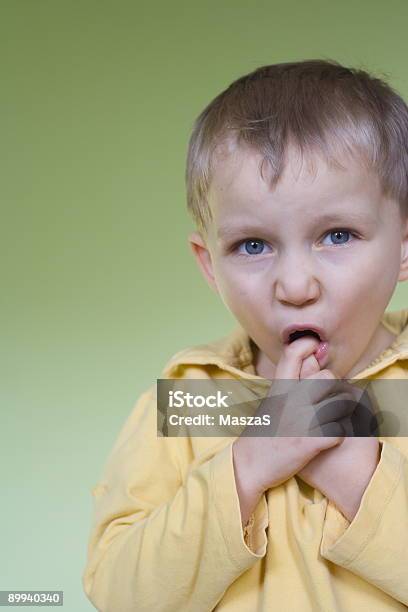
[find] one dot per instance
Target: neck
(380, 341)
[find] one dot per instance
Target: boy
(288, 522)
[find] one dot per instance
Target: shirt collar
(233, 353)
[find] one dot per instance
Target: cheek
(361, 297)
(240, 290)
(377, 279)
(362, 275)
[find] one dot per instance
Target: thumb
(310, 366)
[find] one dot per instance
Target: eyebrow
(343, 217)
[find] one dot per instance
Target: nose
(296, 282)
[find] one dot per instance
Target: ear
(203, 258)
(403, 275)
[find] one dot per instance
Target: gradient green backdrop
(98, 285)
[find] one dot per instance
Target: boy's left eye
(339, 236)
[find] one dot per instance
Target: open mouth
(303, 332)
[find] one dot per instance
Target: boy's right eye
(253, 246)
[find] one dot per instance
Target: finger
(324, 385)
(309, 366)
(347, 426)
(335, 408)
(310, 390)
(364, 421)
(292, 357)
(330, 430)
(316, 387)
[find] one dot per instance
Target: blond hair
(318, 105)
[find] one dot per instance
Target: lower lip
(322, 353)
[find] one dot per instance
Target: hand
(267, 461)
(342, 473)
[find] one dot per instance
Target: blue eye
(339, 235)
(253, 246)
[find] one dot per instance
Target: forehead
(306, 184)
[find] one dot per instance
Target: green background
(99, 287)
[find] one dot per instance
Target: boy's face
(276, 258)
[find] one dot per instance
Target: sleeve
(375, 544)
(254, 530)
(167, 531)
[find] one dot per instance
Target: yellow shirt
(167, 532)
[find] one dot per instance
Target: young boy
(287, 522)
